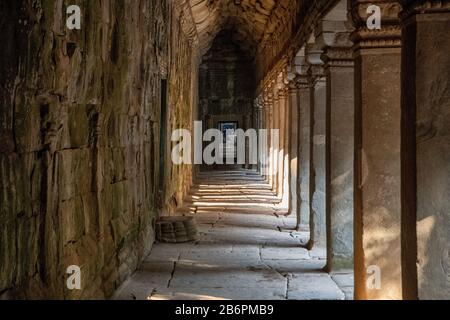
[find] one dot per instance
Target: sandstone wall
(426, 160)
(226, 83)
(79, 131)
(183, 78)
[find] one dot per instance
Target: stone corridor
(247, 250)
(338, 112)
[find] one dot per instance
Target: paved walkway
(247, 249)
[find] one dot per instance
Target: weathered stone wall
(426, 153)
(182, 94)
(227, 83)
(79, 152)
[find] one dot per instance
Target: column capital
(276, 97)
(338, 57)
(301, 66)
(333, 37)
(292, 86)
(280, 86)
(313, 52)
(260, 102)
(317, 73)
(268, 98)
(257, 104)
(289, 77)
(282, 94)
(302, 81)
(333, 34)
(390, 34)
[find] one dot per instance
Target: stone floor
(247, 250)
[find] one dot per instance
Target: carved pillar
(283, 159)
(247, 125)
(293, 123)
(426, 150)
(318, 97)
(258, 127)
(286, 201)
(377, 152)
(303, 84)
(271, 137)
(304, 150)
(276, 144)
(264, 141)
(269, 114)
(255, 125)
(339, 70)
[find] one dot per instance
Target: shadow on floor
(247, 250)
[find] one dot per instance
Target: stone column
(255, 125)
(426, 150)
(277, 144)
(261, 140)
(268, 126)
(287, 154)
(247, 125)
(339, 71)
(271, 139)
(259, 126)
(303, 84)
(318, 97)
(377, 251)
(264, 141)
(284, 176)
(294, 121)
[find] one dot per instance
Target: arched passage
(226, 89)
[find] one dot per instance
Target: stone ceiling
(250, 21)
